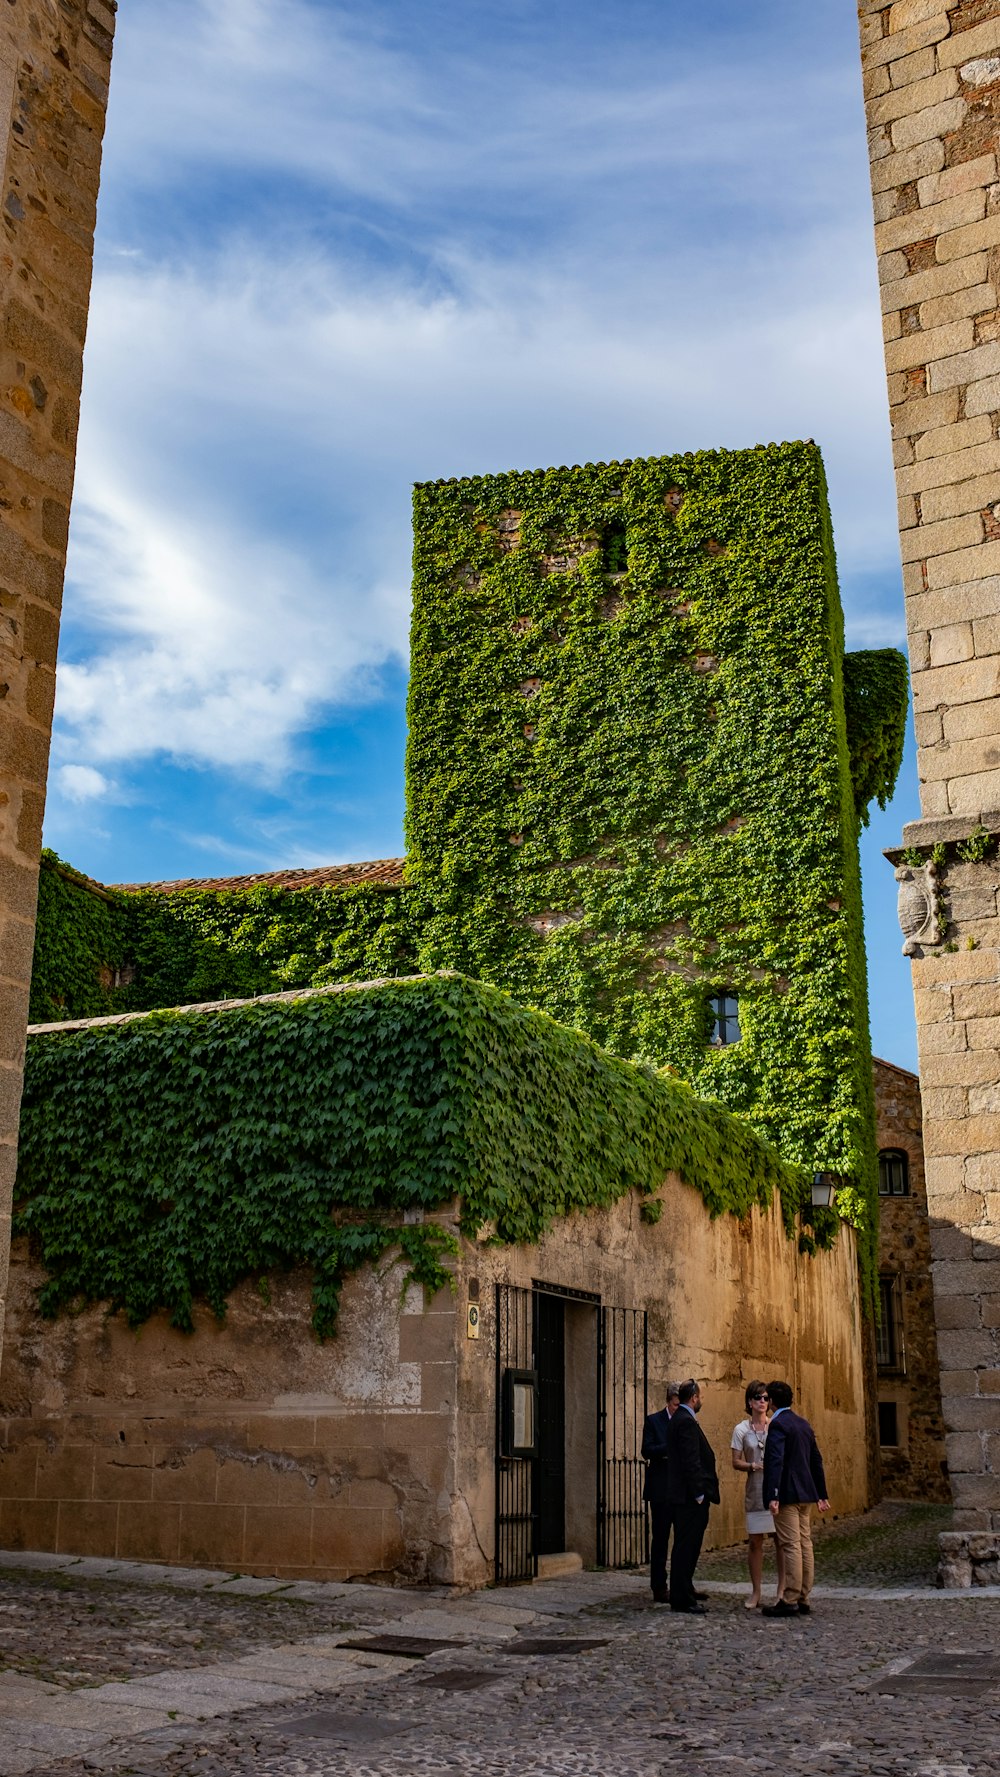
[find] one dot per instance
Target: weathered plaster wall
(728, 1300)
(251, 1446)
(54, 68)
(916, 1468)
(247, 1445)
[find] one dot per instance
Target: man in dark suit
(654, 1491)
(692, 1487)
(794, 1482)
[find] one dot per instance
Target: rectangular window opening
(888, 1424)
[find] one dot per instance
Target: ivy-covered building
(637, 765)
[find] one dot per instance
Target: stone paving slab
(457, 1625)
(62, 1742)
(14, 1760)
(230, 1683)
(160, 1702)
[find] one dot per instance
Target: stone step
(556, 1567)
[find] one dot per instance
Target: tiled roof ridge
(895, 1068)
(616, 463)
(379, 872)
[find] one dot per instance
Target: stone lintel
(945, 829)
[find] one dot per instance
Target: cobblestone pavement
(162, 1673)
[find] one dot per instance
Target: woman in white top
(748, 1442)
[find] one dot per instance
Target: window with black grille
(889, 1354)
(725, 1011)
(893, 1173)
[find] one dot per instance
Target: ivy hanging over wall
(629, 774)
(876, 701)
(78, 945)
(100, 951)
(165, 1159)
(637, 764)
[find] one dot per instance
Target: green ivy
(165, 1159)
(629, 774)
(638, 761)
(876, 701)
(78, 945)
(100, 950)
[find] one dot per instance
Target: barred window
(889, 1352)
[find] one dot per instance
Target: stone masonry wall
(916, 1468)
(54, 68)
(932, 91)
(251, 1446)
(932, 85)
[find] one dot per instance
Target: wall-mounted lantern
(823, 1187)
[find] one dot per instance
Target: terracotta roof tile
(892, 1067)
(382, 873)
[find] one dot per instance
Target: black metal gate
(529, 1393)
(516, 1556)
(622, 1349)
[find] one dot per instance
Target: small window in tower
(614, 545)
(888, 1423)
(893, 1173)
(725, 1011)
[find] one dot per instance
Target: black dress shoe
(661, 1597)
(690, 1610)
(781, 1609)
(804, 1610)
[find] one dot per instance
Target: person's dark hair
(780, 1393)
(687, 1390)
(753, 1389)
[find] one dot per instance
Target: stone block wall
(54, 68)
(916, 1467)
(247, 1446)
(932, 92)
(251, 1446)
(932, 87)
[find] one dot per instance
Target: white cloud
(256, 407)
(240, 535)
(81, 783)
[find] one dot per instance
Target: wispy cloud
(337, 259)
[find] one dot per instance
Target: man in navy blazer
(654, 1491)
(692, 1487)
(794, 1482)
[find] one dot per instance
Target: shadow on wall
(966, 1272)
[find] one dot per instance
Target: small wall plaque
(472, 1324)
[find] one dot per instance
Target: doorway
(568, 1468)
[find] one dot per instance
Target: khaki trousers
(793, 1528)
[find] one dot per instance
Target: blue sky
(343, 249)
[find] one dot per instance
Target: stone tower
(637, 763)
(932, 91)
(54, 66)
